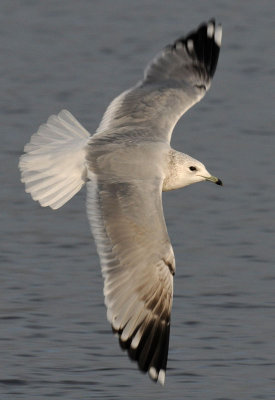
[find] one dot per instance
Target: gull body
(126, 164)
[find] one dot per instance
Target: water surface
(55, 340)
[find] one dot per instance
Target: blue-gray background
(55, 340)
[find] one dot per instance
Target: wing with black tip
(138, 265)
(176, 79)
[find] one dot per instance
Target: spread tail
(53, 167)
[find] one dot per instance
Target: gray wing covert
(138, 264)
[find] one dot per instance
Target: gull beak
(214, 180)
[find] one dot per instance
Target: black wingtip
(152, 351)
(204, 45)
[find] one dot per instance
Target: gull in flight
(126, 165)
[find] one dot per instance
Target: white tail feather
(53, 167)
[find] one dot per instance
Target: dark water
(55, 340)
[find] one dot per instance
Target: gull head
(195, 171)
(184, 170)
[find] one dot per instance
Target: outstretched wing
(137, 263)
(174, 81)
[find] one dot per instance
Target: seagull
(126, 165)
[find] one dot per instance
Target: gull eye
(193, 168)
